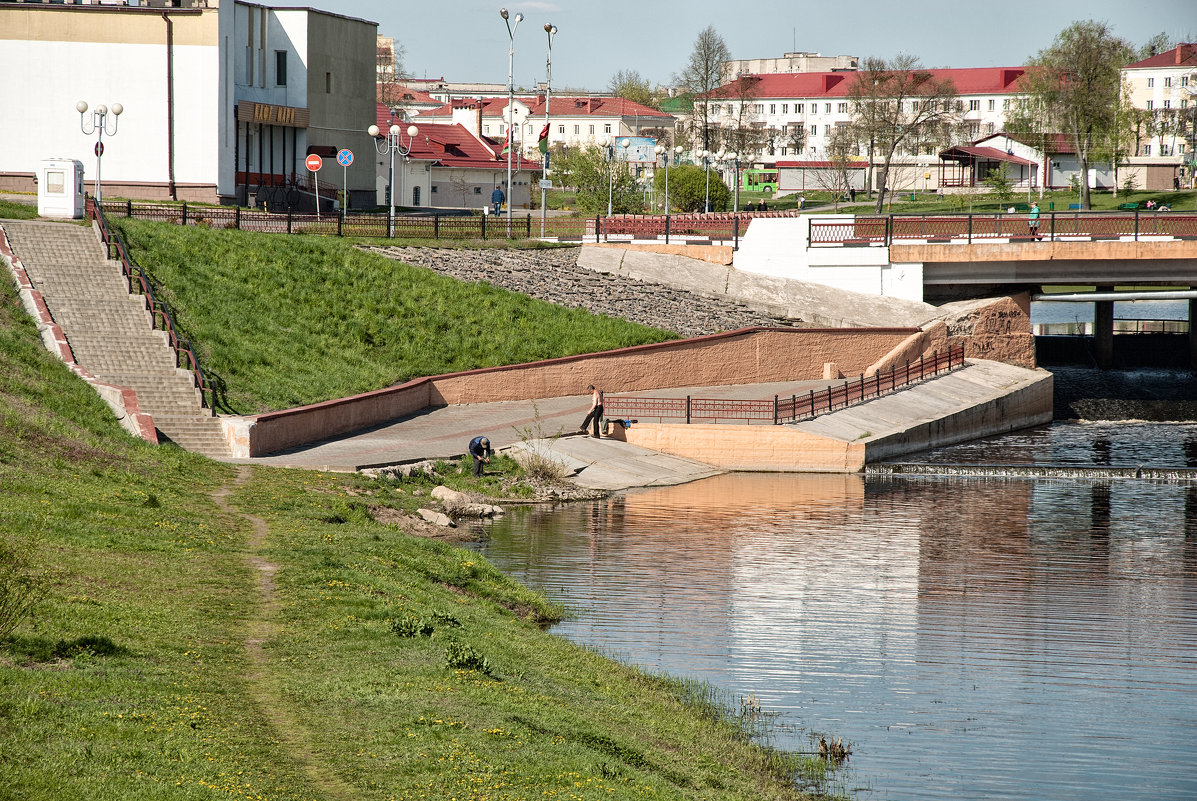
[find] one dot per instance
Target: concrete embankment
(982, 399)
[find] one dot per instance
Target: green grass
(284, 321)
(984, 203)
(17, 211)
(212, 631)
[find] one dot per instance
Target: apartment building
(1165, 85)
(222, 100)
(573, 121)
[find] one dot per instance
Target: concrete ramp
(609, 464)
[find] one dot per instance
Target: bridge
(1129, 255)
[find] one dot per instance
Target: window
(772, 108)
(1150, 82)
(989, 127)
(477, 190)
(528, 129)
(1168, 81)
(55, 182)
(434, 189)
(798, 108)
(959, 105)
(1167, 104)
(842, 108)
(814, 131)
(592, 130)
(577, 130)
(1146, 150)
(783, 151)
(1180, 148)
(814, 151)
(827, 108)
(1150, 105)
(607, 128)
(1184, 80)
(1165, 150)
(328, 83)
(280, 67)
(486, 129)
(974, 105)
(758, 108)
(561, 130)
(1184, 103)
(785, 108)
(992, 103)
(1005, 104)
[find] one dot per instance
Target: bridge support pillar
(1103, 330)
(1192, 333)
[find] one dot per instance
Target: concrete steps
(111, 332)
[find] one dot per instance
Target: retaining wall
(748, 356)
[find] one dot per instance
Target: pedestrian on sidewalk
(481, 451)
(1033, 221)
(596, 411)
(496, 199)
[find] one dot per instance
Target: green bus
(759, 180)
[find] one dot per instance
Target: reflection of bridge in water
(1095, 258)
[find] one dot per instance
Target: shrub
(462, 657)
(410, 626)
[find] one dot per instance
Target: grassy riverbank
(208, 631)
(284, 321)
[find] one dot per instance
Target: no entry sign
(314, 162)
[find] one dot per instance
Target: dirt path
(262, 624)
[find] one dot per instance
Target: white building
(222, 100)
(1165, 85)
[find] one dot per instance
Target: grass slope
(211, 631)
(290, 320)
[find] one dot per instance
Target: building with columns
(222, 100)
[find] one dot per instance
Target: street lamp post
(510, 101)
(551, 30)
(734, 158)
(668, 156)
(705, 155)
(393, 143)
(99, 126)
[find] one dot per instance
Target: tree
(705, 72)
(590, 171)
(1075, 88)
(688, 187)
(840, 150)
(897, 103)
(747, 135)
(999, 184)
(629, 85)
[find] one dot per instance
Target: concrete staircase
(111, 332)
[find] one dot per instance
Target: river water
(969, 636)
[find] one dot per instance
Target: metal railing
(688, 228)
(979, 228)
(780, 409)
(139, 283)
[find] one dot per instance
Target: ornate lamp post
(734, 158)
(668, 155)
(99, 126)
(551, 30)
(510, 101)
(392, 143)
(705, 155)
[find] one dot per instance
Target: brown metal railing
(780, 409)
(139, 284)
(979, 228)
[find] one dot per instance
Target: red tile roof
(968, 81)
(558, 107)
(1183, 55)
(455, 146)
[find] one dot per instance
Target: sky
(467, 41)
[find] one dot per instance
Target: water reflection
(975, 638)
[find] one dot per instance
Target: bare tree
(840, 150)
(1075, 87)
(746, 135)
(895, 104)
(629, 85)
(705, 71)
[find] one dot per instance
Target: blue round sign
(344, 157)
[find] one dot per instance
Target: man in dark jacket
(481, 451)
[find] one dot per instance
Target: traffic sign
(314, 163)
(344, 157)
(99, 148)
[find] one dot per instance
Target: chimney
(1183, 52)
(479, 118)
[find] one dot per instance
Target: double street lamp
(99, 126)
(668, 155)
(551, 30)
(734, 159)
(393, 142)
(510, 101)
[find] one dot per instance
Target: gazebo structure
(968, 165)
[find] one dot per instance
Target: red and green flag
(506, 143)
(543, 144)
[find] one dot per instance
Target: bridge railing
(866, 230)
(781, 409)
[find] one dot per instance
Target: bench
(1021, 207)
(1074, 206)
(1129, 206)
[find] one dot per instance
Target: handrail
(784, 410)
(138, 280)
(969, 228)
